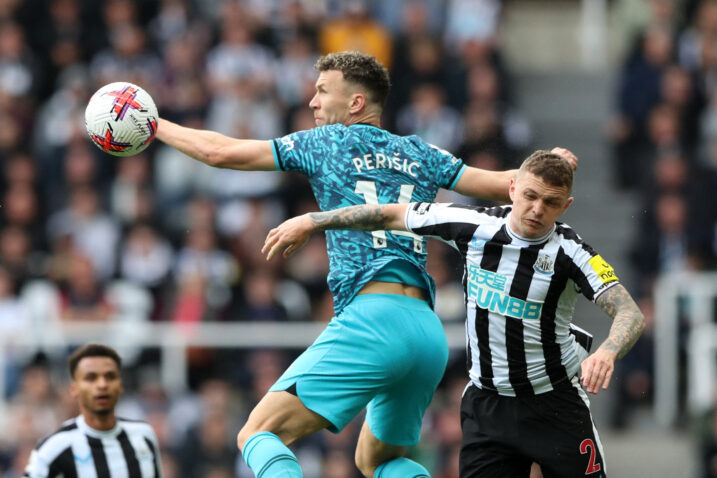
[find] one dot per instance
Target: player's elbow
(642, 325)
(216, 157)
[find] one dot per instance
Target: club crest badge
(544, 264)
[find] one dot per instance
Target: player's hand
(597, 369)
(568, 155)
(290, 235)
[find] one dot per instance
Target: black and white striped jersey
(129, 450)
(520, 295)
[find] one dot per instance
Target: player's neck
(368, 118)
(100, 422)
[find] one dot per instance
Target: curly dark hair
(92, 350)
(550, 167)
(361, 69)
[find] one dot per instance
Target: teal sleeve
(458, 175)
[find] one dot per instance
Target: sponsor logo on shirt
(603, 269)
(487, 289)
(288, 142)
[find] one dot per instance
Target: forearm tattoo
(628, 321)
(364, 217)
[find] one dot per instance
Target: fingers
(606, 382)
(596, 373)
(568, 155)
(273, 244)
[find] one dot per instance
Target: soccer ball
(121, 119)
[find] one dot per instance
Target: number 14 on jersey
(368, 190)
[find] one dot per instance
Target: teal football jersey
(364, 164)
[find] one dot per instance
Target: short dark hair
(361, 69)
(92, 350)
(550, 167)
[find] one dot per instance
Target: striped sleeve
(53, 458)
(453, 223)
(593, 274)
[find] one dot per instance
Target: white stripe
(584, 396)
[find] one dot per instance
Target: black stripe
(514, 331)
(462, 167)
(98, 457)
(579, 277)
(498, 211)
(551, 349)
(486, 357)
(155, 458)
(280, 162)
(66, 428)
(460, 232)
(492, 252)
(63, 465)
(570, 234)
(469, 353)
(130, 456)
(583, 338)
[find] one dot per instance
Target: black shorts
(502, 436)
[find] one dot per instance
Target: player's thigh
(348, 364)
(284, 415)
(489, 433)
(419, 359)
(490, 460)
(568, 444)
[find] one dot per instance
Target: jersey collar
(88, 430)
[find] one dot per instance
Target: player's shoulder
(419, 143)
(135, 426)
(58, 439)
(566, 233)
(571, 242)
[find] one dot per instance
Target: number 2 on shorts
(592, 466)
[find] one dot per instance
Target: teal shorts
(384, 352)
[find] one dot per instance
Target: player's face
(332, 100)
(97, 385)
(536, 205)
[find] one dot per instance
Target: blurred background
(159, 255)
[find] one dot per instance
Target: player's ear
(567, 204)
(511, 189)
(73, 389)
(357, 102)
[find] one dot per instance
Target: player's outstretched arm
(293, 233)
(628, 324)
(216, 149)
(494, 185)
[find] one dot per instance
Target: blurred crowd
(664, 137)
(160, 237)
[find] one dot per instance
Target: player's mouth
(102, 399)
(533, 223)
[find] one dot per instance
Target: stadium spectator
(83, 296)
(639, 93)
(355, 30)
(91, 230)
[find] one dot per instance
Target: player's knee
(365, 466)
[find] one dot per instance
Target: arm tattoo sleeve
(628, 321)
(364, 217)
